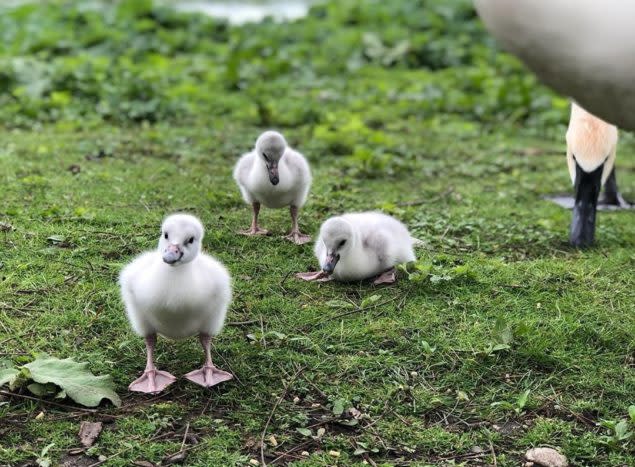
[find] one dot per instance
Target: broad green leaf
(304, 431)
(631, 412)
(522, 399)
(621, 431)
(427, 348)
(498, 347)
(503, 333)
(370, 300)
(338, 304)
(338, 407)
(350, 422)
(74, 378)
(7, 375)
(40, 390)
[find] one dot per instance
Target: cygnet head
(270, 147)
(181, 237)
(337, 235)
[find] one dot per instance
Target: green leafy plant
(50, 376)
(518, 406)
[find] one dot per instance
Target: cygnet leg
(254, 229)
(386, 277)
(295, 235)
(209, 375)
(611, 195)
(152, 380)
(319, 276)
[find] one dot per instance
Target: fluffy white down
(175, 302)
(252, 178)
(375, 242)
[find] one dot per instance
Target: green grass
(433, 367)
(570, 312)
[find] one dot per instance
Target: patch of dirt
(80, 460)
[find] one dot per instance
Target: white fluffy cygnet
(176, 291)
(274, 175)
(361, 245)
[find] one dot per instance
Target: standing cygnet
(359, 246)
(275, 175)
(176, 291)
(591, 146)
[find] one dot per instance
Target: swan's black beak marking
(587, 191)
(272, 167)
(331, 261)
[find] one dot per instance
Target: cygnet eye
(342, 243)
(191, 240)
(265, 156)
(165, 235)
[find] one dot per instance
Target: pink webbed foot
(319, 276)
(254, 231)
(208, 376)
(298, 238)
(386, 277)
(152, 381)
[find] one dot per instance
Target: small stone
(305, 453)
(476, 449)
(320, 432)
(414, 374)
(296, 399)
(102, 458)
(334, 453)
(254, 462)
(547, 457)
(273, 441)
(39, 416)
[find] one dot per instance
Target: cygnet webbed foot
(208, 376)
(152, 381)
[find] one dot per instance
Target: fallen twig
(273, 410)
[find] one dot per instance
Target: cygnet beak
(331, 261)
(272, 167)
(172, 254)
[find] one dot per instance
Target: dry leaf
(88, 433)
(546, 457)
(175, 458)
(143, 464)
